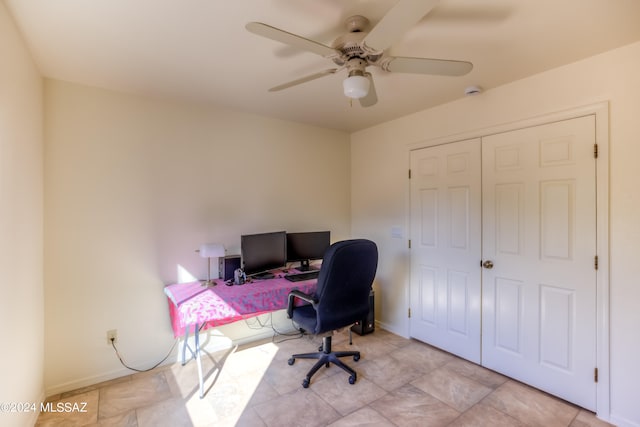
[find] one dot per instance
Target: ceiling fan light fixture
(356, 86)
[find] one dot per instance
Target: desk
(191, 304)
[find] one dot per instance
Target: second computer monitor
(307, 246)
(263, 252)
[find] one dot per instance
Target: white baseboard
(33, 417)
(390, 328)
(623, 422)
(107, 376)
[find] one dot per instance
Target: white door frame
(601, 113)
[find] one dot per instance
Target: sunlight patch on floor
(231, 380)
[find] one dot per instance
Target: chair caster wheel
(290, 361)
(356, 357)
(352, 379)
(320, 348)
(305, 383)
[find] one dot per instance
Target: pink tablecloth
(191, 303)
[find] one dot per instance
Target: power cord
(113, 344)
(276, 333)
(299, 333)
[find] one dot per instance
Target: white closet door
(539, 228)
(445, 247)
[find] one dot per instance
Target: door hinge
(409, 313)
(409, 243)
(595, 151)
(409, 173)
(595, 375)
(595, 262)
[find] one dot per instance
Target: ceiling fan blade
(396, 22)
(372, 97)
(303, 79)
(281, 36)
(441, 67)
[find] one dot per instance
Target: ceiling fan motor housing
(349, 45)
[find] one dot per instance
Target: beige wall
(379, 189)
(21, 211)
(134, 186)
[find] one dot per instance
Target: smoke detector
(472, 90)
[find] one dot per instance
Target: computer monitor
(263, 252)
(307, 246)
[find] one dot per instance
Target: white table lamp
(211, 250)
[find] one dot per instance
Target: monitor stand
(304, 266)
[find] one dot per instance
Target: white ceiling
(199, 50)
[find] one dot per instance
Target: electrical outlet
(112, 335)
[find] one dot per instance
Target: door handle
(488, 264)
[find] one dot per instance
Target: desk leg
(198, 361)
(195, 353)
(185, 345)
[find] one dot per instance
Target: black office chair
(341, 299)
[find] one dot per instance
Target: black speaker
(367, 325)
(227, 265)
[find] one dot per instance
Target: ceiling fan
(358, 49)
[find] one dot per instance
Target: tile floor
(400, 382)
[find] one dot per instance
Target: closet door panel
(539, 225)
(445, 235)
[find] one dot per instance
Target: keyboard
(298, 277)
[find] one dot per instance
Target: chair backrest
(344, 283)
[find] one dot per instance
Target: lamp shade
(211, 250)
(356, 86)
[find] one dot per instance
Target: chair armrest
(298, 294)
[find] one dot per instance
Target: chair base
(326, 357)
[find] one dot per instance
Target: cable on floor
(257, 323)
(113, 344)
